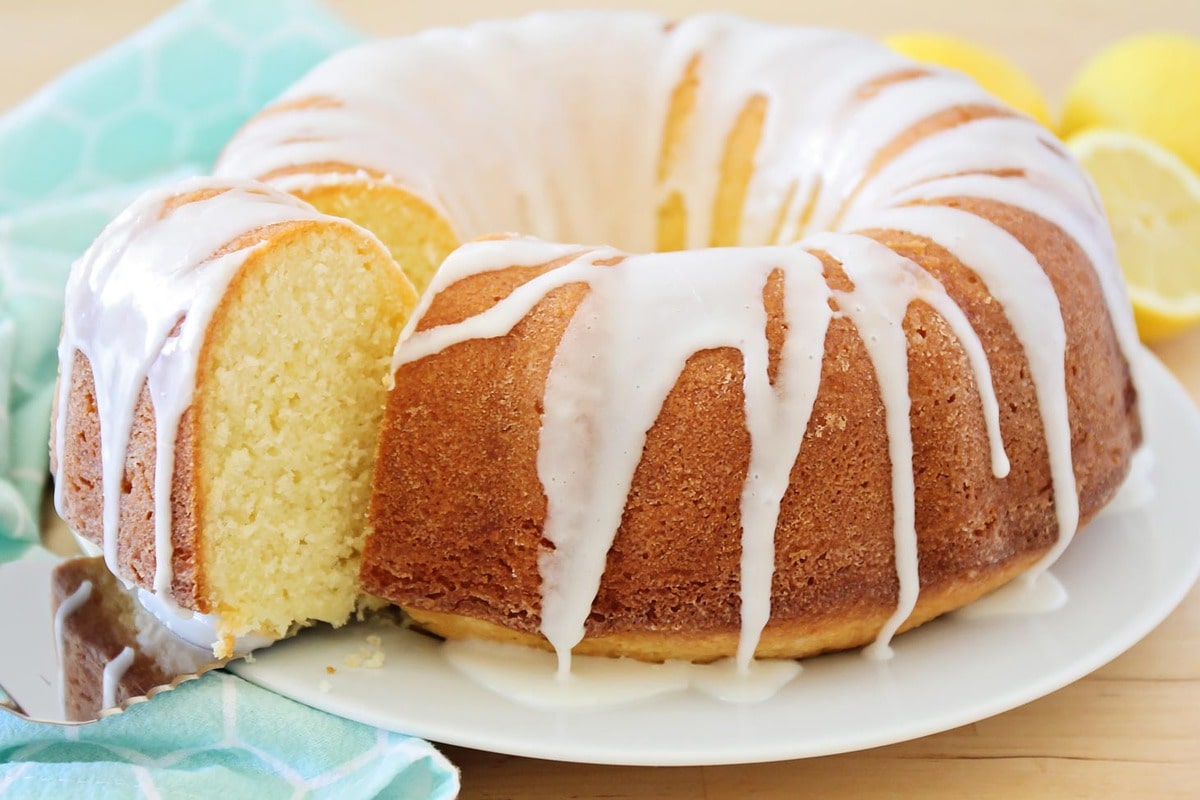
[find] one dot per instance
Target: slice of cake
(229, 339)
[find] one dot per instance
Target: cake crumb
(248, 658)
(370, 657)
(330, 670)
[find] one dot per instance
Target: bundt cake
(223, 368)
(854, 353)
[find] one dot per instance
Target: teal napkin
(155, 108)
(158, 106)
(219, 737)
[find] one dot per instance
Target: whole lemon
(1147, 84)
(992, 71)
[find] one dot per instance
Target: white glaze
(530, 677)
(541, 170)
(201, 630)
(147, 273)
(171, 653)
(1041, 594)
(1138, 490)
(113, 672)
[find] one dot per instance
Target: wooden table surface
(1132, 729)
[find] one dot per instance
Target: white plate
(1124, 574)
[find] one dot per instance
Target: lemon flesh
(1152, 199)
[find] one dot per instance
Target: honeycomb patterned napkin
(219, 737)
(154, 108)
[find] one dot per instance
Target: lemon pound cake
(223, 368)
(887, 371)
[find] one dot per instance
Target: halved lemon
(1152, 199)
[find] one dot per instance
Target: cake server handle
(28, 661)
(8, 704)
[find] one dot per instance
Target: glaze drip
(114, 671)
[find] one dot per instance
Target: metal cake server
(33, 684)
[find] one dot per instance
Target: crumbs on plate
(369, 656)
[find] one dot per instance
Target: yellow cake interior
(417, 236)
(291, 427)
